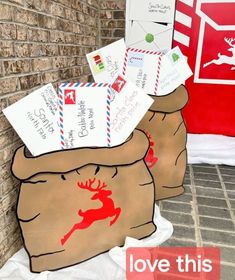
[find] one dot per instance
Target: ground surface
(205, 214)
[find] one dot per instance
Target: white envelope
(143, 69)
(150, 36)
(128, 107)
(152, 10)
(106, 62)
(84, 114)
(34, 118)
(174, 71)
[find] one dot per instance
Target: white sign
(34, 118)
(152, 10)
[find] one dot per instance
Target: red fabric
(211, 107)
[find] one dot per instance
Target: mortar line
(195, 213)
(206, 216)
(226, 195)
(99, 25)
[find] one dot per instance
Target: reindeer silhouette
(70, 95)
(90, 216)
(224, 59)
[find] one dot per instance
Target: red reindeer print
(90, 216)
(150, 159)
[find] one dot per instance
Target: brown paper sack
(166, 130)
(76, 204)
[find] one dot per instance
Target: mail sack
(205, 32)
(75, 204)
(167, 155)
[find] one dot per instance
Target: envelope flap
(213, 13)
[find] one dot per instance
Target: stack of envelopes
(103, 113)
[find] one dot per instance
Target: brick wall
(112, 21)
(41, 41)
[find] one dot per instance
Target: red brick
(106, 14)
(4, 124)
(3, 104)
(70, 38)
(46, 22)
(64, 25)
(21, 33)
(60, 62)
(118, 14)
(20, 15)
(38, 35)
(106, 33)
(108, 23)
(8, 85)
(107, 41)
(70, 14)
(1, 69)
(7, 153)
(30, 81)
(94, 3)
(35, 50)
(66, 74)
(32, 18)
(41, 64)
(65, 50)
(7, 31)
(14, 98)
(50, 50)
(20, 2)
(77, 5)
(50, 77)
(6, 49)
(57, 10)
(80, 17)
(5, 12)
(5, 171)
(16, 66)
(39, 5)
(7, 137)
(119, 33)
(113, 5)
(9, 200)
(120, 24)
(21, 50)
(57, 37)
(67, 3)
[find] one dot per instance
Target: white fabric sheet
(211, 149)
(108, 266)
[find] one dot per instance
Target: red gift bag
(205, 32)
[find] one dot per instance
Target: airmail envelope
(150, 36)
(152, 10)
(34, 118)
(83, 115)
(128, 107)
(174, 71)
(106, 62)
(143, 69)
